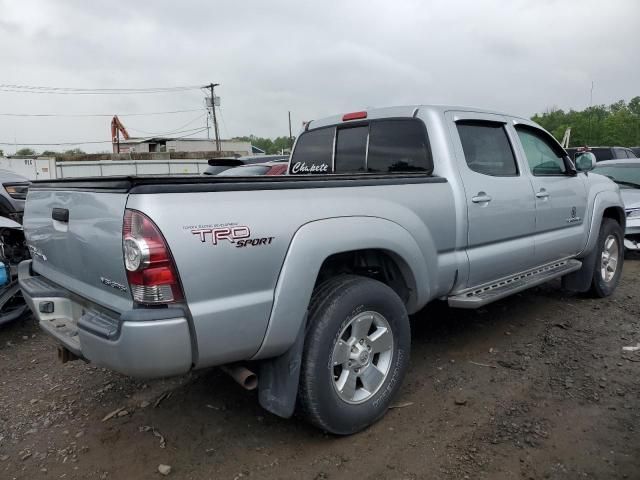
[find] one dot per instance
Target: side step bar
(490, 292)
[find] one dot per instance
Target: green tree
(271, 147)
(616, 124)
(75, 151)
(1, 153)
(26, 151)
(49, 153)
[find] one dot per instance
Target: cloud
(313, 58)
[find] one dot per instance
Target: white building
(162, 144)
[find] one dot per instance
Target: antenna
(590, 113)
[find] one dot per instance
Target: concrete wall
(104, 164)
(130, 167)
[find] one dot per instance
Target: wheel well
(378, 264)
(616, 214)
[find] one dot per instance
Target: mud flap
(279, 378)
(580, 280)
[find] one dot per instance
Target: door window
(543, 156)
(487, 149)
(620, 153)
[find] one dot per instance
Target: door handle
(542, 194)
(60, 214)
(481, 197)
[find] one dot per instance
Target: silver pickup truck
(308, 279)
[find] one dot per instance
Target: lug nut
(361, 341)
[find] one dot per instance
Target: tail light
(150, 268)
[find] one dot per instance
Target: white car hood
(630, 197)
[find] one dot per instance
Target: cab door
(560, 196)
(499, 197)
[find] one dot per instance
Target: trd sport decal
(238, 235)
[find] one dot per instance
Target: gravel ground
(535, 386)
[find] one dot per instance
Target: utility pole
(590, 113)
(213, 111)
(290, 136)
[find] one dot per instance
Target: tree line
(270, 147)
(600, 125)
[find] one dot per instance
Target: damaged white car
(626, 173)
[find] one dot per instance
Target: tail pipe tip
(242, 375)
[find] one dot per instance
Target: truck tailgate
(75, 239)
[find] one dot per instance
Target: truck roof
(406, 111)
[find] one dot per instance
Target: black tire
(333, 305)
(601, 288)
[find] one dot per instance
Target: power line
(176, 130)
(72, 115)
(10, 88)
(88, 142)
(167, 134)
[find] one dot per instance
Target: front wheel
(356, 354)
(609, 260)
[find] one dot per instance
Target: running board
(490, 292)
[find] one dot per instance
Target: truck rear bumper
(144, 343)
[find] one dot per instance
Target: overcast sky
(520, 56)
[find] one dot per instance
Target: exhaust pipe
(243, 376)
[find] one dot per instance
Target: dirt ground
(535, 386)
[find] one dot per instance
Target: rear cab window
(376, 146)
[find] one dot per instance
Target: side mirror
(585, 161)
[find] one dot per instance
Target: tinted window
(620, 153)
(543, 157)
(487, 149)
(394, 145)
(313, 152)
(351, 149)
(398, 146)
(602, 154)
(245, 171)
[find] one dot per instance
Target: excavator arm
(117, 128)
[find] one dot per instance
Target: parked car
(627, 175)
(219, 165)
(13, 249)
(308, 279)
(12, 194)
(267, 168)
(603, 153)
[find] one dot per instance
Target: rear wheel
(609, 260)
(356, 354)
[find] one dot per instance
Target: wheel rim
(609, 258)
(361, 357)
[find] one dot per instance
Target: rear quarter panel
(230, 289)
